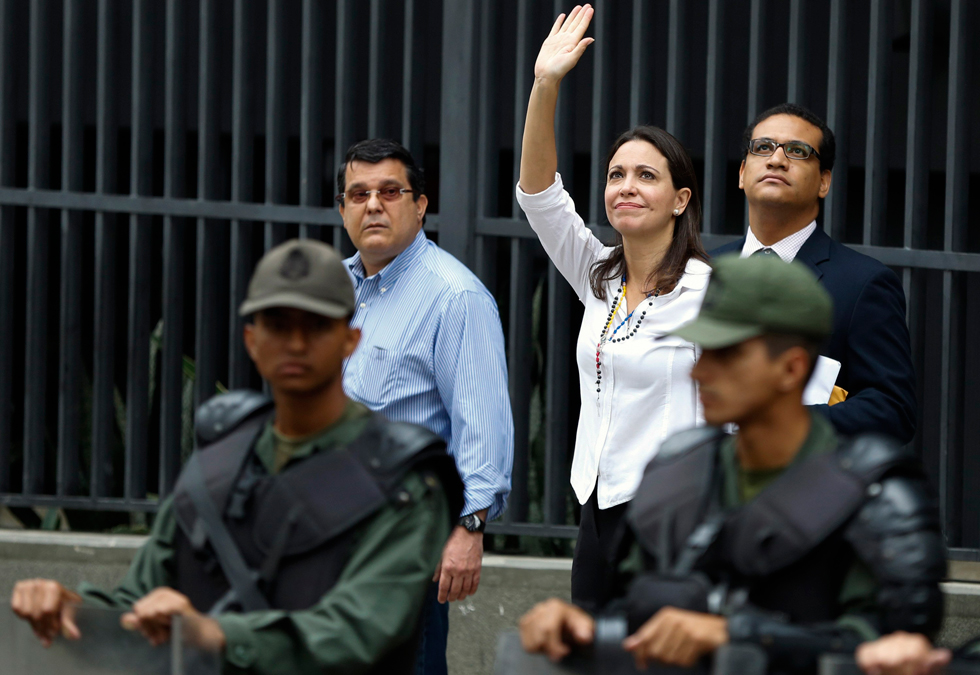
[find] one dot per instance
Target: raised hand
(564, 45)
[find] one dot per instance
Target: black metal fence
(150, 151)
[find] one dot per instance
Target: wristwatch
(472, 523)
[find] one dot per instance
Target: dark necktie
(765, 251)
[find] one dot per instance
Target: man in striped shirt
(431, 353)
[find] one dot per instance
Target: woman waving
(635, 383)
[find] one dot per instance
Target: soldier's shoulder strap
(387, 446)
(222, 414)
(390, 449)
(674, 492)
(795, 512)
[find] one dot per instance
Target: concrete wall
(509, 587)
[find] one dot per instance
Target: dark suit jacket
(870, 338)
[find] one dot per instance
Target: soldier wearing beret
(784, 535)
(303, 534)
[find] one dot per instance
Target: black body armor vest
(295, 530)
(790, 549)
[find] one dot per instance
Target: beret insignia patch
(295, 266)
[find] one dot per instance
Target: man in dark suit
(789, 156)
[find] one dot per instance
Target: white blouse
(647, 392)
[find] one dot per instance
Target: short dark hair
(828, 146)
(778, 343)
(686, 242)
(374, 150)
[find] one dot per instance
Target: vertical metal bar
(559, 365)
(640, 64)
(104, 338)
(486, 262)
(835, 205)
(275, 136)
(458, 122)
(676, 69)
(377, 108)
(242, 135)
(757, 18)
(70, 352)
(875, 167)
(174, 161)
(917, 158)
(714, 144)
(600, 114)
(346, 71)
(311, 130)
(412, 63)
(796, 73)
(140, 256)
(954, 235)
(206, 336)
(523, 73)
(7, 235)
(519, 367)
(487, 157)
(35, 358)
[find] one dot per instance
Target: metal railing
(150, 151)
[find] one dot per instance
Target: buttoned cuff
(240, 649)
(544, 200)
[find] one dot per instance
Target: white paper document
(820, 386)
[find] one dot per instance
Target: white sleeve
(568, 242)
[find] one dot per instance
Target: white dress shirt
(785, 248)
(647, 392)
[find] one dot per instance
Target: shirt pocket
(379, 378)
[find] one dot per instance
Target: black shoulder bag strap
(712, 519)
(243, 580)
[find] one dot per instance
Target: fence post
(458, 130)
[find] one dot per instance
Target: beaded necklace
(604, 336)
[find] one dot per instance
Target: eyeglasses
(766, 147)
(389, 194)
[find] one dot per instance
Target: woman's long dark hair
(686, 242)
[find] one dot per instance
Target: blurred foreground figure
(783, 535)
(306, 528)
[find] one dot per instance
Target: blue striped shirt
(432, 353)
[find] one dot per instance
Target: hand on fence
(48, 606)
(565, 45)
(677, 637)
(901, 653)
(153, 617)
(552, 626)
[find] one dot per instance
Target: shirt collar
(696, 274)
(393, 270)
(785, 248)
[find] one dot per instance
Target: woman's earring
(677, 212)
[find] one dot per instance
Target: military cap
(749, 297)
(302, 274)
